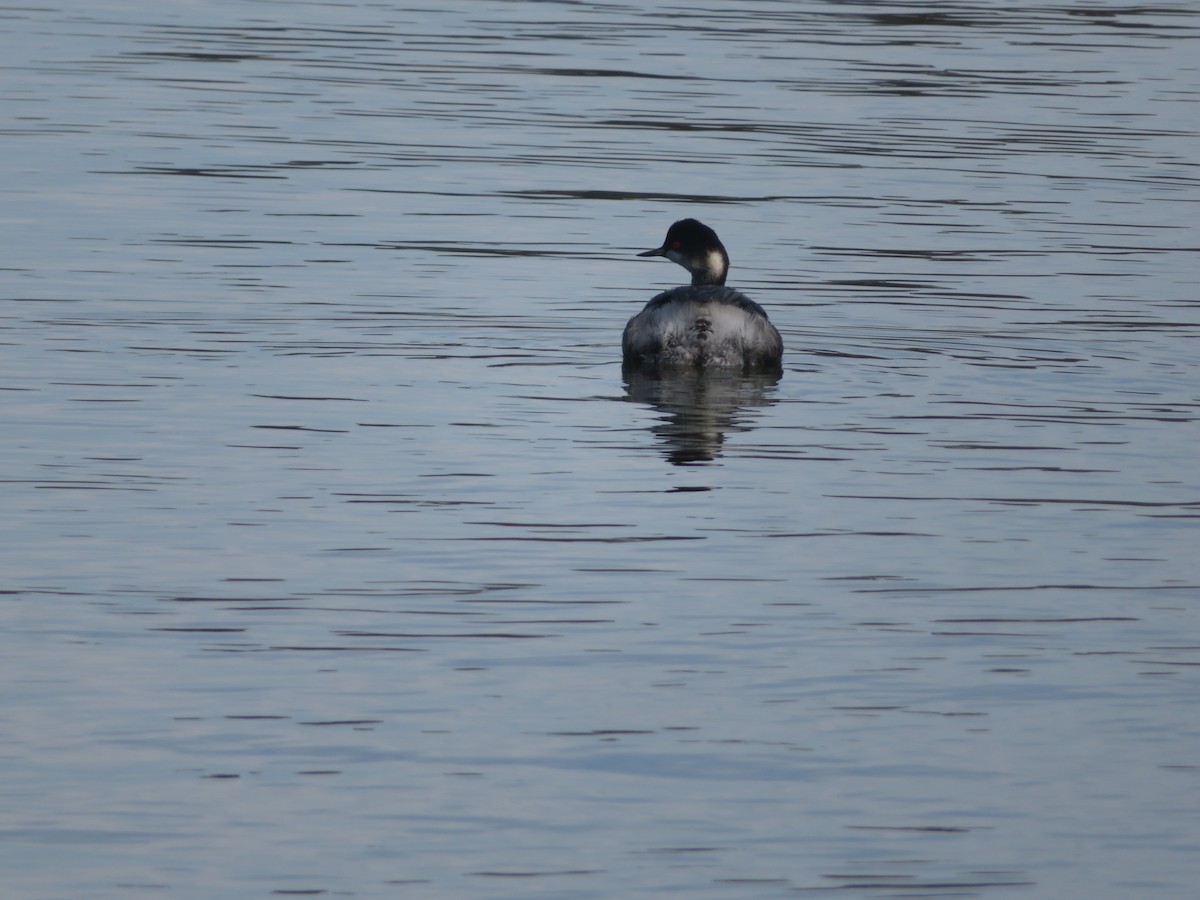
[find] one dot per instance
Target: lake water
(339, 559)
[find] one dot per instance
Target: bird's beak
(661, 251)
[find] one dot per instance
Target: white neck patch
(716, 263)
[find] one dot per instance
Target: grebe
(704, 325)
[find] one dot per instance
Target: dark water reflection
(697, 410)
(340, 557)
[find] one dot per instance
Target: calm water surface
(340, 560)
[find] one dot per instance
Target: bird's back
(702, 326)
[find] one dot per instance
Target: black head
(697, 248)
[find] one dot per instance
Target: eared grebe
(703, 325)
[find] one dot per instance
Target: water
(340, 560)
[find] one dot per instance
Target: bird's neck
(714, 270)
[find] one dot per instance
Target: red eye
(675, 245)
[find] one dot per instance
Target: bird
(704, 325)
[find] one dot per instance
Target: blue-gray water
(338, 558)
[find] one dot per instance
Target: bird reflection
(698, 408)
